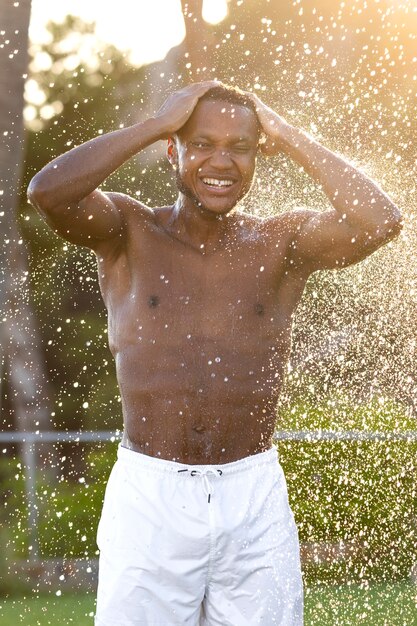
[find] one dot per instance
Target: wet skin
(200, 297)
(200, 301)
(200, 339)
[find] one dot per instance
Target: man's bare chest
(163, 272)
(160, 288)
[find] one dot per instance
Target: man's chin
(216, 208)
(210, 208)
(223, 206)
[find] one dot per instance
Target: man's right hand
(178, 107)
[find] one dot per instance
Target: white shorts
(212, 545)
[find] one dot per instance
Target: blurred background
(346, 72)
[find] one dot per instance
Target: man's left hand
(273, 125)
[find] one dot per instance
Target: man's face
(215, 155)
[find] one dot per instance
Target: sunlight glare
(147, 31)
(214, 11)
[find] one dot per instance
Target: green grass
(392, 604)
(48, 611)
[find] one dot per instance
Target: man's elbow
(394, 225)
(385, 231)
(39, 195)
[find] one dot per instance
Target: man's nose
(221, 158)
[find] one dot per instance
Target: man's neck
(198, 226)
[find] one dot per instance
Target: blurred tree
(191, 60)
(78, 87)
(22, 360)
(199, 39)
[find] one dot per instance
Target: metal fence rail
(345, 435)
(56, 436)
(29, 440)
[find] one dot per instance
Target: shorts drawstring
(207, 486)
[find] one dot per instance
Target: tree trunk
(186, 63)
(21, 357)
(199, 41)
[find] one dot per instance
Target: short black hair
(230, 94)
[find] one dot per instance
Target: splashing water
(346, 73)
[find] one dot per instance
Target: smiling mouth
(217, 182)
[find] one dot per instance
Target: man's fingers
(179, 106)
(193, 92)
(201, 87)
(196, 90)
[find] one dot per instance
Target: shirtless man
(196, 527)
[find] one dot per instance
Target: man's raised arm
(363, 218)
(65, 191)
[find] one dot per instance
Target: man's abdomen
(198, 403)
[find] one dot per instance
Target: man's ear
(172, 152)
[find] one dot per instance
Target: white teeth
(217, 183)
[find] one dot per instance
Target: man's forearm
(355, 196)
(74, 175)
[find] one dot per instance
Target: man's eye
(201, 144)
(242, 148)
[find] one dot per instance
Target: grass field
(380, 605)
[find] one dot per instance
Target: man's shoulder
(285, 222)
(129, 207)
(136, 218)
(136, 214)
(291, 220)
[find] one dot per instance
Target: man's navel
(153, 301)
(199, 428)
